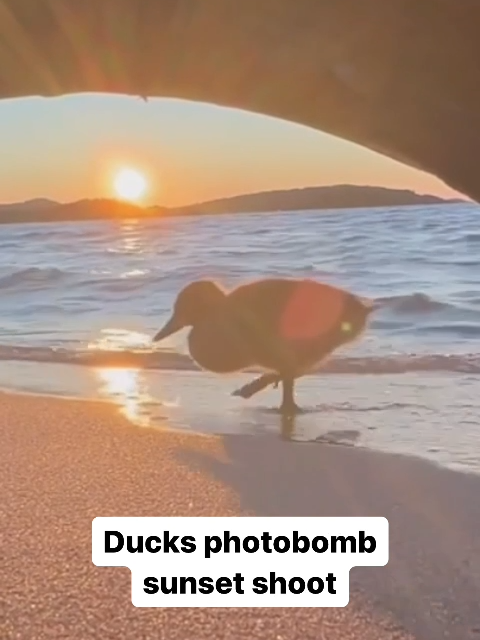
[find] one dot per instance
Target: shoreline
(65, 462)
(170, 429)
(425, 416)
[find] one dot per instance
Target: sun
(130, 184)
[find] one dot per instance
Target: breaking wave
(171, 361)
(32, 277)
(413, 303)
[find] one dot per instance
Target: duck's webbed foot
(290, 409)
(250, 389)
(288, 406)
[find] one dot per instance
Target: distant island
(309, 198)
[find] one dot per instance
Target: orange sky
(71, 148)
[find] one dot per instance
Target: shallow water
(83, 300)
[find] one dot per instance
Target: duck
(285, 327)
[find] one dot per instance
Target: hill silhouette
(309, 198)
(329, 197)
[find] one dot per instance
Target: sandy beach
(64, 462)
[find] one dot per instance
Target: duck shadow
(431, 584)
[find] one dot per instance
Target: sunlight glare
(130, 184)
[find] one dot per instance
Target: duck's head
(355, 318)
(194, 303)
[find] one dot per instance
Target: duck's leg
(260, 383)
(288, 406)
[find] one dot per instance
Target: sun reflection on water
(122, 381)
(130, 238)
(126, 388)
(120, 340)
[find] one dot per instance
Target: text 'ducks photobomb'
(240, 562)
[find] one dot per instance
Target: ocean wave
(473, 237)
(412, 303)
(462, 330)
(64, 282)
(32, 277)
(172, 361)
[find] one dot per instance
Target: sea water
(80, 302)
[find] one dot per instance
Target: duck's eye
(346, 327)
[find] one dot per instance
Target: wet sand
(62, 463)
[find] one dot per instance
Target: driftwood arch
(401, 77)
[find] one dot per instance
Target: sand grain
(62, 463)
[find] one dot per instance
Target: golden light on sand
(130, 184)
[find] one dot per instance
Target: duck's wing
(219, 344)
(266, 299)
(294, 309)
(256, 309)
(312, 311)
(289, 321)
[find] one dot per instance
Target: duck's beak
(171, 326)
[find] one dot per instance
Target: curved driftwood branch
(397, 76)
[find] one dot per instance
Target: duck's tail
(260, 383)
